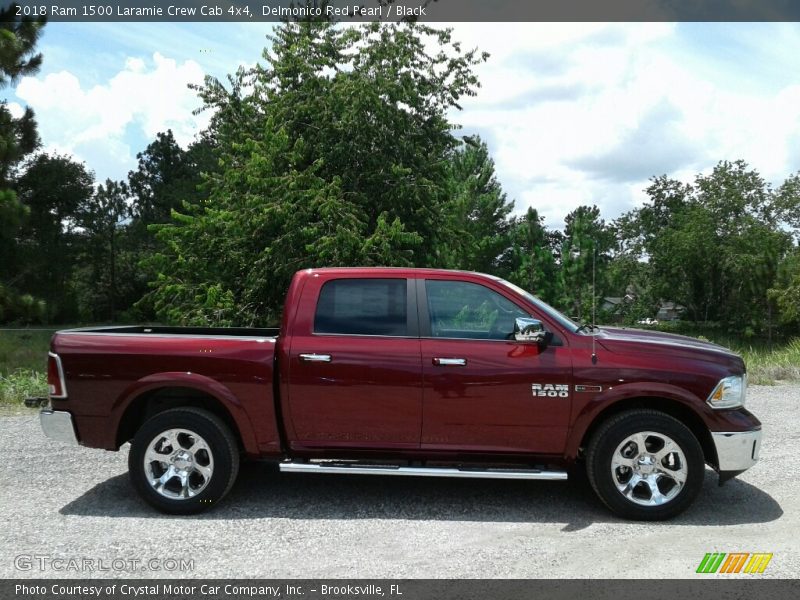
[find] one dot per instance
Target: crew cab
(418, 372)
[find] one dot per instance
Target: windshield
(551, 312)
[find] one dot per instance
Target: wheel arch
(157, 395)
(675, 408)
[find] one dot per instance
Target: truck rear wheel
(183, 461)
(645, 464)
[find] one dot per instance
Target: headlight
(729, 393)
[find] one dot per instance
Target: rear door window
(363, 307)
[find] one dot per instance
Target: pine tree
(587, 243)
(18, 138)
(478, 211)
(530, 261)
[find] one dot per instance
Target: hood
(622, 338)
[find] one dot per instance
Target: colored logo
(734, 562)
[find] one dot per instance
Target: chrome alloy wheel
(178, 464)
(649, 468)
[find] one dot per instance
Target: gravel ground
(67, 502)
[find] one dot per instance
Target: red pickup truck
(407, 372)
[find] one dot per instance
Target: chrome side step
(362, 469)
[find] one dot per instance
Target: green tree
(629, 274)
(166, 176)
(787, 202)
(531, 260)
(101, 222)
(335, 152)
(630, 278)
(786, 290)
(585, 253)
(714, 245)
(55, 190)
(18, 37)
(477, 213)
(18, 138)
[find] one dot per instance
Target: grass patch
(765, 367)
(23, 364)
(24, 349)
(21, 384)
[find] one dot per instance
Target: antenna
(594, 300)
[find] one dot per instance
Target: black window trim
(412, 319)
(422, 310)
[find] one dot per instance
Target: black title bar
(399, 10)
(745, 587)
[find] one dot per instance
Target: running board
(361, 469)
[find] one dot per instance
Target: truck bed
(114, 373)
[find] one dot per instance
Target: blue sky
(573, 113)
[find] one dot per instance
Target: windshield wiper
(588, 327)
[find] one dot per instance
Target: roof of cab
(408, 271)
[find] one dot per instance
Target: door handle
(450, 362)
(315, 357)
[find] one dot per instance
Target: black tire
(220, 452)
(608, 439)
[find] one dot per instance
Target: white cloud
(94, 123)
(574, 113)
(15, 109)
(585, 113)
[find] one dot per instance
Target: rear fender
(194, 381)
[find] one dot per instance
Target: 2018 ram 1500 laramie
(407, 372)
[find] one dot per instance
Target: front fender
(587, 415)
(194, 381)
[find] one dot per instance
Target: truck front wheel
(183, 461)
(645, 464)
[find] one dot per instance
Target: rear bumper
(737, 451)
(57, 425)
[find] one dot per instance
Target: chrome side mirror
(529, 330)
